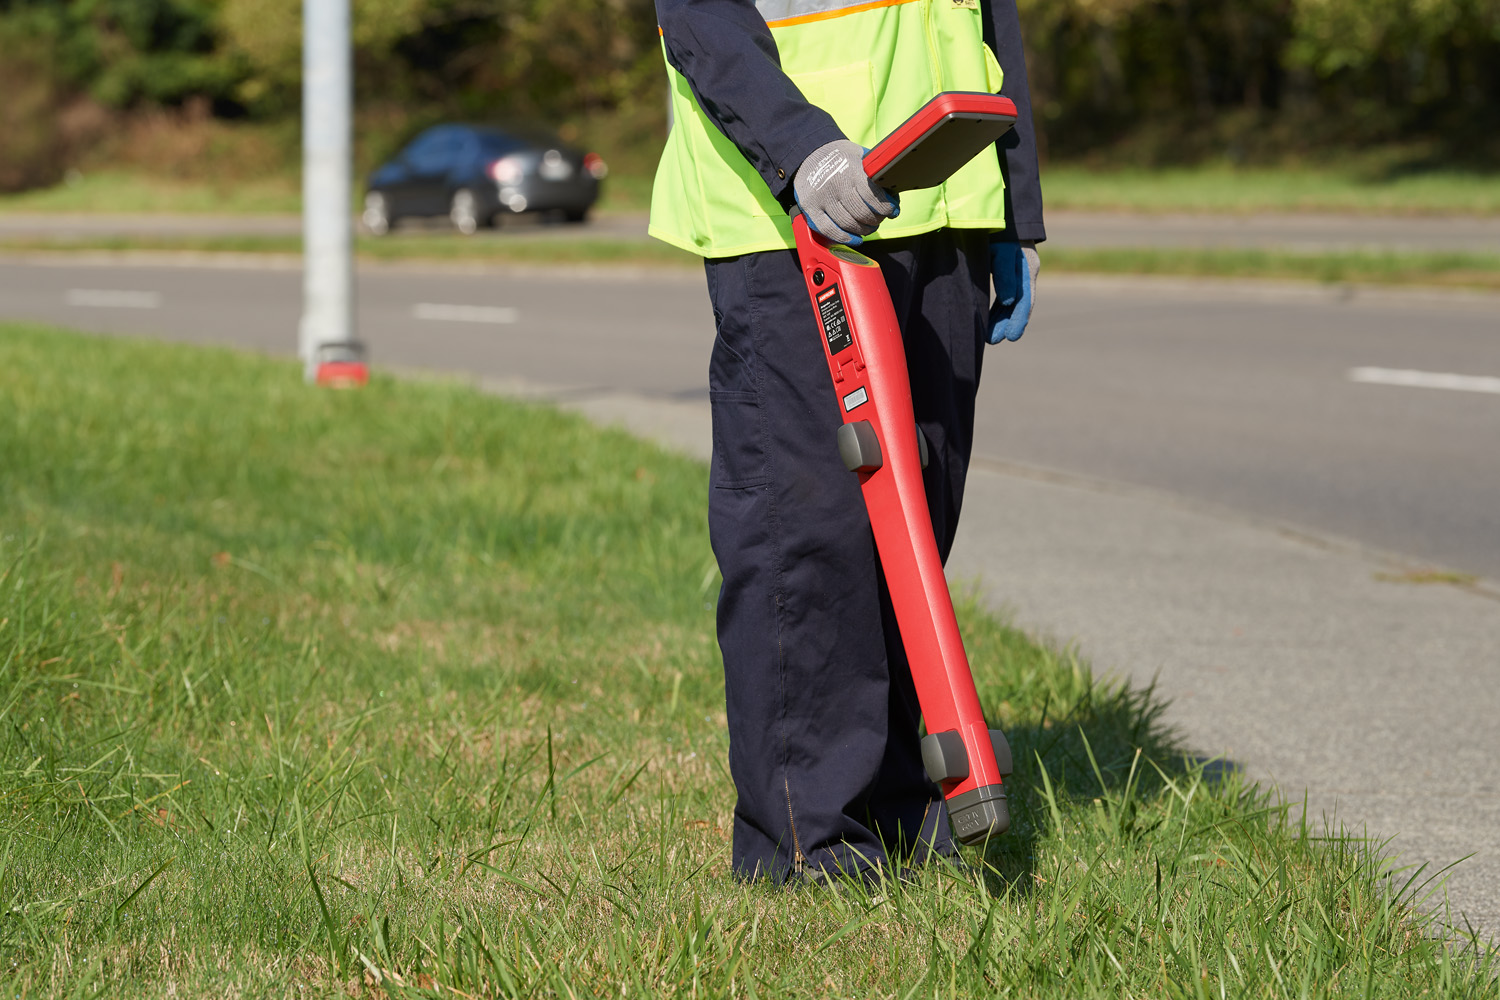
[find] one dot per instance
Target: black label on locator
(835, 320)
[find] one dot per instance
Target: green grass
(1371, 267)
(1245, 190)
(417, 246)
(131, 192)
(1433, 269)
(136, 192)
(414, 691)
(1358, 188)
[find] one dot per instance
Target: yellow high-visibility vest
(870, 66)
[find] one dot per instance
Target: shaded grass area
(414, 692)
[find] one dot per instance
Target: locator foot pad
(979, 814)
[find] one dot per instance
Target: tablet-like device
(944, 134)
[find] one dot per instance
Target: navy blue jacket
(729, 58)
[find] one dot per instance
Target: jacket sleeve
(725, 51)
(1018, 161)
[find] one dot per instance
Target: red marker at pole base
(881, 443)
(342, 365)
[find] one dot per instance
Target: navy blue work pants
(823, 717)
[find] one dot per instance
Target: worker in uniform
(773, 104)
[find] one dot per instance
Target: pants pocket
(739, 441)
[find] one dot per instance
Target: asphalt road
(1221, 393)
(1227, 490)
(1303, 232)
(1226, 394)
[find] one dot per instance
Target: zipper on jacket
(932, 46)
(936, 60)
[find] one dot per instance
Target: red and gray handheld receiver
(880, 441)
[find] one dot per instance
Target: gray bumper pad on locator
(860, 448)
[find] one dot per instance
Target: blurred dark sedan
(474, 174)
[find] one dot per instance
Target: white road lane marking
(449, 313)
(113, 298)
(1426, 380)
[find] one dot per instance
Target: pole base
(341, 365)
(979, 814)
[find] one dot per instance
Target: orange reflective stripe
(824, 15)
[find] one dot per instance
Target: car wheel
(576, 215)
(377, 214)
(464, 211)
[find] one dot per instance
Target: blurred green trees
(1150, 80)
(1181, 79)
(124, 52)
(530, 56)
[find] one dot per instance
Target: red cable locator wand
(880, 441)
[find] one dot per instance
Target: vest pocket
(848, 94)
(994, 76)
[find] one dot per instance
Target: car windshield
(501, 143)
(495, 142)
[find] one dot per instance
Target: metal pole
(327, 165)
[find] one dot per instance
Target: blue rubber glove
(1014, 267)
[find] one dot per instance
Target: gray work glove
(837, 197)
